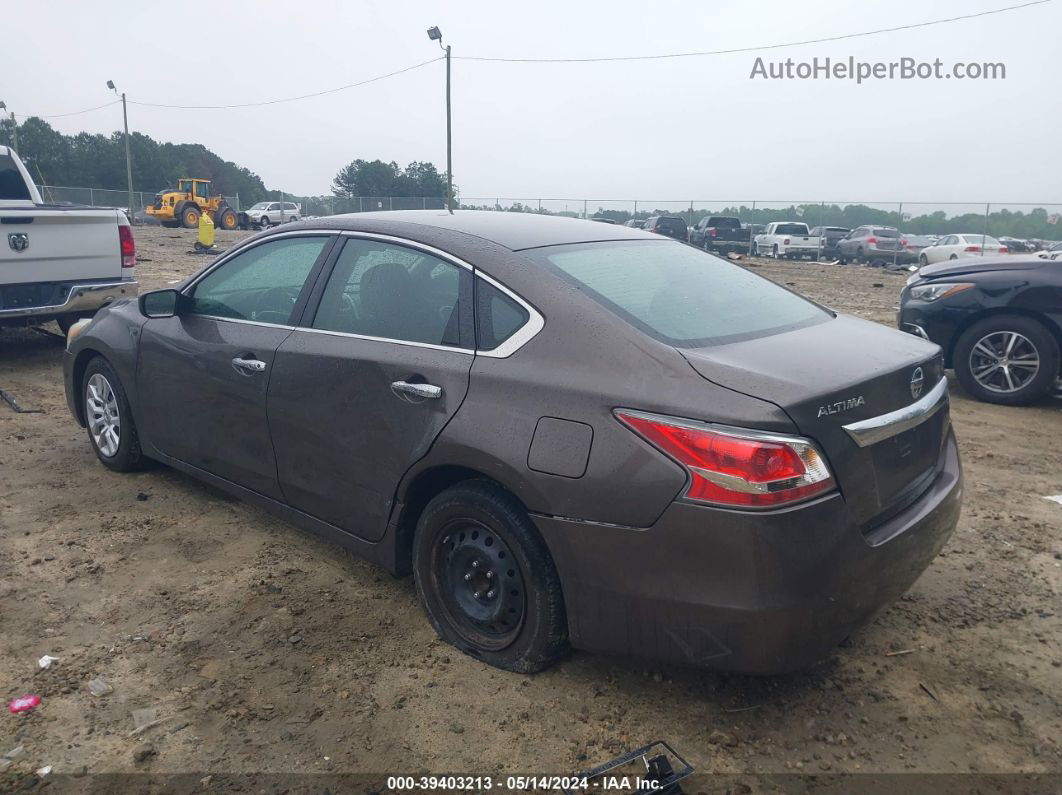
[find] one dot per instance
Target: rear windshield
(724, 223)
(678, 294)
(671, 223)
(988, 239)
(886, 233)
(791, 229)
(12, 186)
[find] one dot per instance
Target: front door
(359, 394)
(204, 373)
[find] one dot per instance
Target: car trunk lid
(847, 371)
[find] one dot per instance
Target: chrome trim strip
(451, 348)
(237, 320)
(80, 298)
(873, 430)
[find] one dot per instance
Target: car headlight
(938, 290)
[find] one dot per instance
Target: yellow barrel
(206, 231)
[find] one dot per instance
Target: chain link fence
(1023, 220)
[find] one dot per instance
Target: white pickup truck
(58, 262)
(786, 240)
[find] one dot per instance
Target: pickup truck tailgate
(57, 243)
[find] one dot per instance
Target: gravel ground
(264, 649)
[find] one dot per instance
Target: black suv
(998, 320)
(670, 225)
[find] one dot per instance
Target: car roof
(512, 230)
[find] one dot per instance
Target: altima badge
(19, 241)
(918, 381)
(841, 405)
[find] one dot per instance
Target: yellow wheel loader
(192, 199)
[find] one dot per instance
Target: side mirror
(160, 303)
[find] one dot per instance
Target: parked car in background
(721, 234)
(58, 262)
(1052, 252)
(786, 240)
(913, 244)
(997, 319)
(828, 237)
(670, 225)
(267, 214)
(1016, 245)
(602, 220)
(873, 245)
(635, 223)
(761, 487)
(956, 246)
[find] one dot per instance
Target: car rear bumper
(66, 298)
(759, 593)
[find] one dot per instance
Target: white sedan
(958, 246)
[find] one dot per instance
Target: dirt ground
(261, 648)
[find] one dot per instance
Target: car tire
(754, 251)
(859, 257)
(923, 260)
(104, 401)
(774, 251)
(476, 538)
(264, 222)
(227, 219)
(991, 334)
(953, 256)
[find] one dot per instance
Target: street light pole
(14, 128)
(436, 35)
(128, 156)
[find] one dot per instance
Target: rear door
(361, 390)
(203, 375)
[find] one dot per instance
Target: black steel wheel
(486, 578)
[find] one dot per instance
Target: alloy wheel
(1004, 361)
(104, 419)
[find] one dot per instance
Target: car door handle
(248, 365)
(406, 390)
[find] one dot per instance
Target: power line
(760, 47)
(290, 99)
(72, 113)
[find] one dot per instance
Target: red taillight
(972, 248)
(872, 241)
(785, 242)
(1004, 250)
(712, 231)
(127, 246)
(734, 467)
(903, 243)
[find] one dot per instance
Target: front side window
(383, 290)
(261, 284)
(678, 294)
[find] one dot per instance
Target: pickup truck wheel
(1007, 359)
(109, 420)
(486, 579)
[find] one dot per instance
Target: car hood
(979, 265)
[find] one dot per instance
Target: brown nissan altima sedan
(570, 433)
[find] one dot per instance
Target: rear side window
(498, 316)
(677, 294)
(12, 186)
(392, 292)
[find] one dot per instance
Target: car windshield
(678, 294)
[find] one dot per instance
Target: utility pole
(128, 156)
(436, 35)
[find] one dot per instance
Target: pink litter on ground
(23, 704)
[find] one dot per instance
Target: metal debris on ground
(9, 399)
(1055, 498)
(899, 653)
(46, 661)
(657, 768)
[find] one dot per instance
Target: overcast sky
(680, 128)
